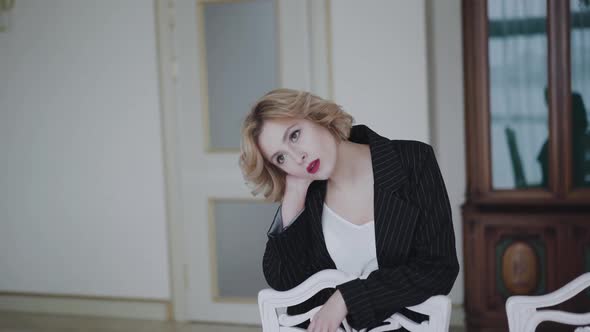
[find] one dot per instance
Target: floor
(25, 322)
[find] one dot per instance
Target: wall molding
(165, 22)
(81, 305)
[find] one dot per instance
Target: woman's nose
(302, 157)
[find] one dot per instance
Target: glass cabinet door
(518, 98)
(580, 92)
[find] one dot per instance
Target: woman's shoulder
(410, 144)
(413, 153)
(415, 157)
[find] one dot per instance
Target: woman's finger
(317, 327)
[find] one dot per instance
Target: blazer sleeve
(277, 225)
(431, 268)
(284, 263)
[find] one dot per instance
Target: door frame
(319, 38)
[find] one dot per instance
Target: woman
(351, 200)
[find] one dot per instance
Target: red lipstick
(313, 166)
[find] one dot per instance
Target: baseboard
(86, 306)
(458, 315)
(116, 307)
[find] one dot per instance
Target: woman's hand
(328, 319)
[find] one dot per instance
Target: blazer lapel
(394, 218)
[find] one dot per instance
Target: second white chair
(524, 314)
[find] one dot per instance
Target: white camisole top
(351, 247)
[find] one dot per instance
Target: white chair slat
(438, 308)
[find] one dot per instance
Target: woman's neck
(353, 165)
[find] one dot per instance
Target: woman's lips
(313, 166)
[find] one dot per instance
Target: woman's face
(299, 147)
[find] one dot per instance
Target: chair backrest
(272, 303)
(523, 314)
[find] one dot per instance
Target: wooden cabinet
(526, 218)
(508, 253)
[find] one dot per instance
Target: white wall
(81, 184)
(445, 78)
(81, 179)
(379, 65)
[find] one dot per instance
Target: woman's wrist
(340, 300)
(290, 209)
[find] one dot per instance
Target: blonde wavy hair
(260, 174)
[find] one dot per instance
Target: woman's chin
(321, 177)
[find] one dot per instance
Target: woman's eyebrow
(284, 139)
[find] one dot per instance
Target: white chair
(523, 314)
(272, 306)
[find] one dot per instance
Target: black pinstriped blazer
(413, 235)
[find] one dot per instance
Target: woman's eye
(293, 137)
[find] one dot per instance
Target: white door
(226, 54)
